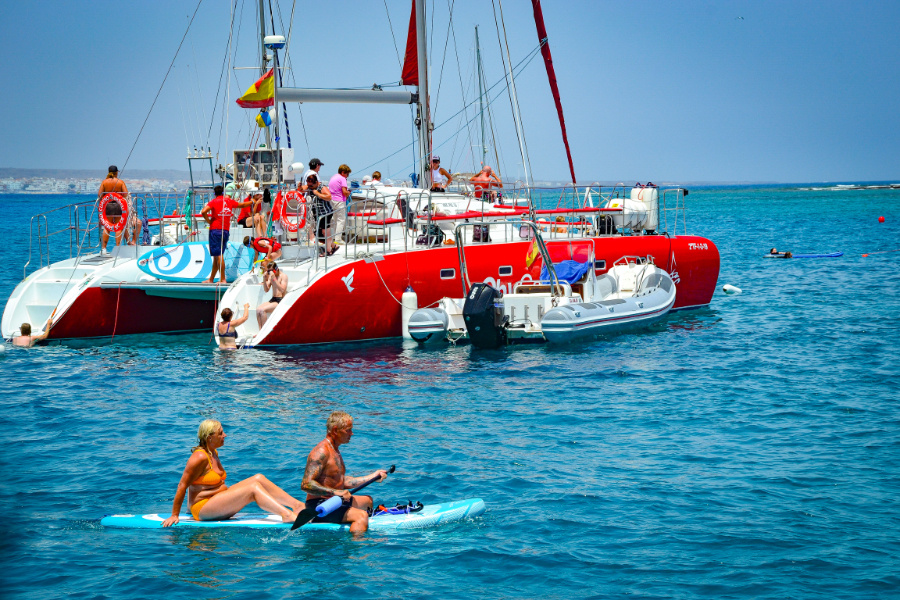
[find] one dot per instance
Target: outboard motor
(484, 316)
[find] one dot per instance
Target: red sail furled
(551, 75)
(410, 74)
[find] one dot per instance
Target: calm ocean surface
(747, 450)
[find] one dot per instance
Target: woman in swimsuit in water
(227, 329)
(210, 499)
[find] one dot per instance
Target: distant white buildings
(47, 185)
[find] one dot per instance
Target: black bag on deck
(481, 233)
(431, 236)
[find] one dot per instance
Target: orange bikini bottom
(196, 506)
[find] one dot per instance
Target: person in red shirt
(217, 213)
(268, 246)
(250, 216)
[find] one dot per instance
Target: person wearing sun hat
(440, 178)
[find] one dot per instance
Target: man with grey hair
(325, 477)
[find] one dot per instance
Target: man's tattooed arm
(315, 464)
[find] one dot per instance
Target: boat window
(505, 271)
(599, 265)
(448, 273)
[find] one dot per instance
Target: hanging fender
(107, 224)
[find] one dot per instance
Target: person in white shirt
(314, 165)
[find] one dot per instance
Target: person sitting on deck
(268, 246)
(376, 180)
(250, 216)
(203, 480)
(228, 333)
(26, 340)
(484, 181)
(276, 280)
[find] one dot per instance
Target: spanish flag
(261, 94)
(533, 253)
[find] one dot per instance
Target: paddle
(308, 514)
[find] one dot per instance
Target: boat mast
(514, 100)
(480, 76)
(423, 120)
(262, 62)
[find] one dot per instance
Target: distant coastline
(87, 181)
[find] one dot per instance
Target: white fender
(409, 303)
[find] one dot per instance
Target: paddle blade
(305, 516)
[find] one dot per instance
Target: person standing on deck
(314, 165)
(217, 213)
(440, 177)
(325, 476)
(340, 195)
(112, 183)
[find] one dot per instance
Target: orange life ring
(295, 224)
(107, 224)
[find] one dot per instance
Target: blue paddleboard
(191, 262)
(430, 516)
(829, 255)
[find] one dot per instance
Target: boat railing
(71, 221)
(673, 204)
(520, 225)
(73, 230)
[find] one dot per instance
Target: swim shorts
(335, 516)
(218, 241)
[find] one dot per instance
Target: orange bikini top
(211, 477)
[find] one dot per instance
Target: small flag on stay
(265, 117)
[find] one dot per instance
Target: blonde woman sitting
(210, 499)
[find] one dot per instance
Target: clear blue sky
(668, 91)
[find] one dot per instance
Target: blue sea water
(747, 450)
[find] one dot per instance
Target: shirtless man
(276, 280)
(26, 340)
(112, 183)
(324, 477)
(484, 180)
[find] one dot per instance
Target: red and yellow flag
(261, 94)
(533, 253)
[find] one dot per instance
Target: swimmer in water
(775, 252)
(227, 328)
(210, 499)
(26, 340)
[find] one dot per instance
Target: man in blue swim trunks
(217, 213)
(324, 477)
